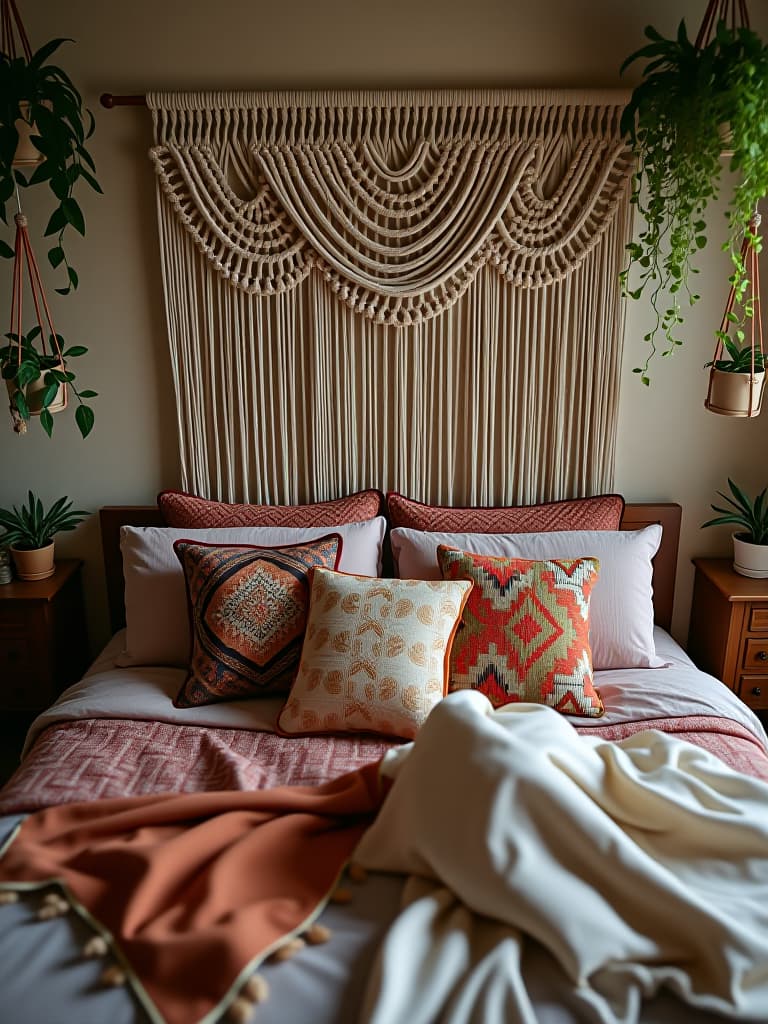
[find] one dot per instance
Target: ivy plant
(691, 104)
(21, 364)
(43, 95)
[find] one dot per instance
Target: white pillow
(621, 609)
(157, 626)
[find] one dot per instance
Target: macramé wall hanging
(408, 290)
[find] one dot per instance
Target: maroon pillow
(189, 512)
(602, 512)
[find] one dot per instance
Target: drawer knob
(762, 655)
(756, 691)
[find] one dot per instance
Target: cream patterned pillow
(375, 655)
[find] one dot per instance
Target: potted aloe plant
(38, 100)
(30, 532)
(750, 541)
(689, 99)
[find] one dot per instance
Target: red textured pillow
(602, 512)
(525, 630)
(192, 513)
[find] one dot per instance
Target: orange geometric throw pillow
(248, 612)
(525, 630)
(375, 656)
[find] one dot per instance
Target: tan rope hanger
(35, 401)
(752, 383)
(732, 12)
(11, 27)
(743, 394)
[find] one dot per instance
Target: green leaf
(6, 252)
(84, 418)
(75, 350)
(56, 222)
(73, 214)
(55, 256)
(88, 394)
(46, 422)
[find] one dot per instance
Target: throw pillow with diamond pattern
(525, 630)
(248, 613)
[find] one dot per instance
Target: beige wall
(669, 448)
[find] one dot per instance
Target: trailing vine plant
(691, 104)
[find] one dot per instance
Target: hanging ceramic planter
(35, 392)
(735, 394)
(27, 154)
(737, 370)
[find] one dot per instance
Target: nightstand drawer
(43, 644)
(16, 657)
(753, 690)
(758, 620)
(756, 655)
(14, 620)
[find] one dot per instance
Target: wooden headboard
(636, 516)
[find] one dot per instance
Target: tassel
(341, 895)
(357, 873)
(95, 947)
(7, 896)
(288, 949)
(113, 976)
(256, 989)
(317, 934)
(240, 1011)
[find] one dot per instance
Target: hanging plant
(38, 380)
(40, 98)
(35, 365)
(691, 97)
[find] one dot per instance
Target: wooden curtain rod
(108, 100)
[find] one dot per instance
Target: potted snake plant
(30, 532)
(750, 541)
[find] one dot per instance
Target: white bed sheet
(147, 692)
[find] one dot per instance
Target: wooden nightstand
(43, 640)
(728, 635)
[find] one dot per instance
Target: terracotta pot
(27, 154)
(750, 559)
(730, 394)
(36, 564)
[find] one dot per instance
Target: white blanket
(634, 867)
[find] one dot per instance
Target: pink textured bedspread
(100, 758)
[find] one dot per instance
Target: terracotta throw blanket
(197, 888)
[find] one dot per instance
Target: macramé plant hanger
(737, 370)
(47, 393)
(33, 364)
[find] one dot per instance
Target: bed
(409, 930)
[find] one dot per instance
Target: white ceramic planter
(735, 394)
(750, 559)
